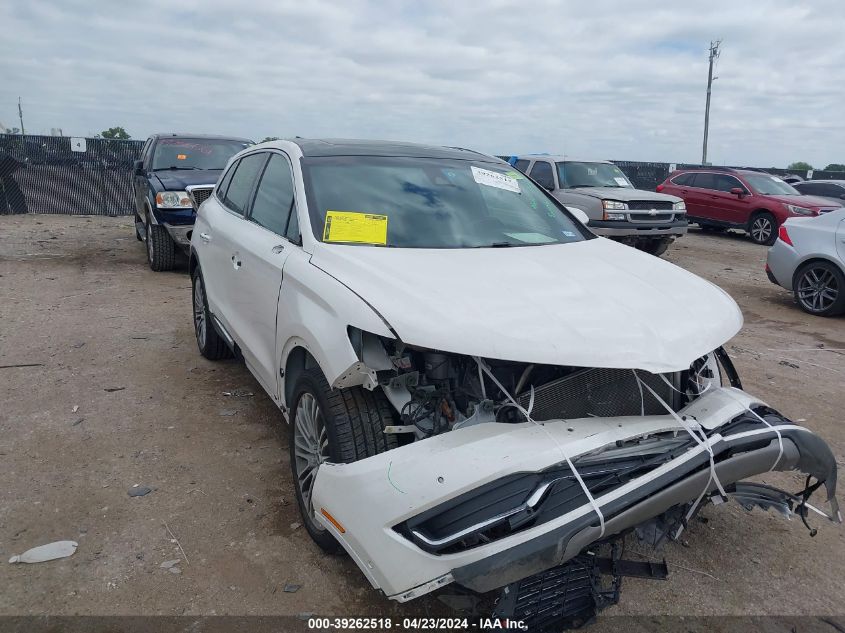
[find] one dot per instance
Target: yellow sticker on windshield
(354, 227)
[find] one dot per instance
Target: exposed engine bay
(435, 392)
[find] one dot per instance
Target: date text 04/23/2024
(416, 624)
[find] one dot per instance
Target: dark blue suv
(175, 174)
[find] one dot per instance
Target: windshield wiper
(581, 186)
(497, 245)
(175, 167)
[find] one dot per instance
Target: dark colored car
(719, 198)
(175, 173)
(833, 190)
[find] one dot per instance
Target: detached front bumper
(402, 510)
(639, 229)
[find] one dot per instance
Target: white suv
(478, 388)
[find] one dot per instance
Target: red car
(719, 198)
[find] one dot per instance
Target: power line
(714, 55)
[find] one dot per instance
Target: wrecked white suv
(480, 391)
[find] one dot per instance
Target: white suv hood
(587, 304)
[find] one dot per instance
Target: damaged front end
(509, 475)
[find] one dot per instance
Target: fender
(322, 309)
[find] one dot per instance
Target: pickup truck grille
(200, 194)
(648, 205)
(647, 217)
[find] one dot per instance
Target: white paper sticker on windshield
(494, 179)
(621, 182)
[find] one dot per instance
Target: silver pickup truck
(646, 220)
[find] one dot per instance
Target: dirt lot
(120, 396)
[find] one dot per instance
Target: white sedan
(480, 391)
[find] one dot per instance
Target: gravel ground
(120, 396)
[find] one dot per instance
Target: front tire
(161, 249)
(763, 228)
(819, 289)
(210, 343)
(655, 247)
(332, 425)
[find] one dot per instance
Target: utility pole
(20, 114)
(714, 55)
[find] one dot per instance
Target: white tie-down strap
(700, 440)
(527, 413)
(744, 405)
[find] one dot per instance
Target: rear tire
(334, 425)
(819, 289)
(161, 249)
(210, 343)
(763, 228)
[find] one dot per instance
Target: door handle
(278, 248)
(205, 237)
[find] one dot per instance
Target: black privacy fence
(60, 174)
(92, 176)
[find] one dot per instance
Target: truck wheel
(763, 228)
(161, 250)
(210, 343)
(332, 425)
(819, 289)
(655, 247)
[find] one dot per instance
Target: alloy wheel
(818, 289)
(199, 312)
(311, 447)
(761, 229)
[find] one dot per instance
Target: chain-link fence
(56, 174)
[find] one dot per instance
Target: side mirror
(138, 168)
(580, 214)
(738, 191)
(842, 196)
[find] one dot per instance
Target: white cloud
(601, 79)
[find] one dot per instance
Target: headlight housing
(614, 205)
(800, 210)
(173, 200)
(680, 206)
(614, 216)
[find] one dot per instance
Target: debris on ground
(239, 393)
(75, 408)
(79, 421)
(786, 363)
(139, 491)
(113, 389)
(42, 553)
(295, 525)
(290, 588)
(228, 412)
(170, 563)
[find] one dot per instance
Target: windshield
(195, 153)
(576, 174)
(431, 203)
(767, 185)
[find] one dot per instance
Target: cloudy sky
(601, 79)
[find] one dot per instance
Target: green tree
(269, 138)
(835, 167)
(12, 130)
(116, 133)
(800, 166)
